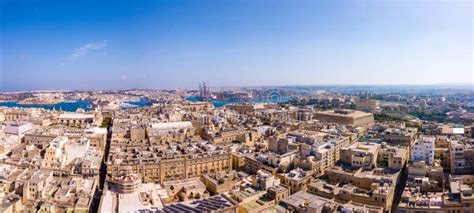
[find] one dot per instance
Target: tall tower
(204, 92)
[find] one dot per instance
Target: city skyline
(236, 106)
(177, 44)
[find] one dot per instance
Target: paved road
(399, 188)
(102, 172)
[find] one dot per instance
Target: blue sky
(169, 44)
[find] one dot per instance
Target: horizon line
(466, 84)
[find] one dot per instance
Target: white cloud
(197, 54)
(87, 48)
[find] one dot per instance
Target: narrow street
(102, 171)
(399, 188)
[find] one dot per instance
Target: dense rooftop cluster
(325, 152)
